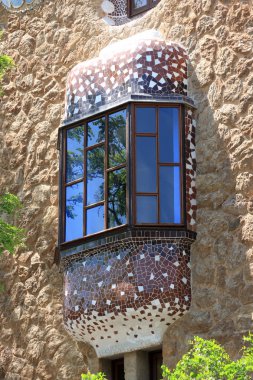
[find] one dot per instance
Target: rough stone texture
(45, 45)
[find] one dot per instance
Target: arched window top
(118, 12)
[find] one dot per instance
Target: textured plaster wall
(45, 45)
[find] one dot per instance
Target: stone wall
(45, 44)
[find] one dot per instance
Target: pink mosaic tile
(123, 297)
(190, 152)
(136, 66)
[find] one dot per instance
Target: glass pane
(169, 150)
(117, 198)
(74, 164)
(95, 220)
(145, 120)
(146, 164)
(170, 205)
(117, 138)
(139, 3)
(74, 211)
(146, 209)
(95, 131)
(95, 175)
(6, 3)
(17, 3)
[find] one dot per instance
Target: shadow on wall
(222, 283)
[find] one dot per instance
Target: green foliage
(6, 63)
(89, 376)
(207, 360)
(10, 235)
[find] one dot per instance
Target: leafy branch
(11, 236)
(90, 376)
(207, 360)
(6, 63)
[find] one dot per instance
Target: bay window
(157, 165)
(123, 168)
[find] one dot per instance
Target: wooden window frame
(83, 179)
(135, 11)
(130, 166)
(179, 164)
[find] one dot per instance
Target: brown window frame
(180, 164)
(130, 166)
(83, 179)
(135, 11)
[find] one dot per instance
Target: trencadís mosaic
(123, 297)
(145, 64)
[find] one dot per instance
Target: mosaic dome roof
(144, 64)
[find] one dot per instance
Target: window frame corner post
(61, 205)
(183, 166)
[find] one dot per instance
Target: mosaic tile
(190, 155)
(121, 292)
(116, 12)
(143, 64)
(123, 296)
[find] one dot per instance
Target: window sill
(118, 234)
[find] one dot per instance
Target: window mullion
(182, 161)
(108, 170)
(84, 178)
(157, 165)
(64, 162)
(74, 182)
(105, 172)
(92, 205)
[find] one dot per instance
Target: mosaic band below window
(122, 297)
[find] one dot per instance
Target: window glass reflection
(146, 209)
(95, 175)
(95, 131)
(74, 211)
(17, 3)
(74, 165)
(117, 138)
(94, 220)
(170, 205)
(146, 164)
(140, 3)
(145, 120)
(169, 150)
(117, 198)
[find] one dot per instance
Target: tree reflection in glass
(95, 175)
(117, 198)
(97, 164)
(95, 131)
(74, 211)
(95, 220)
(117, 138)
(140, 3)
(75, 142)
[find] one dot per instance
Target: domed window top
(19, 5)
